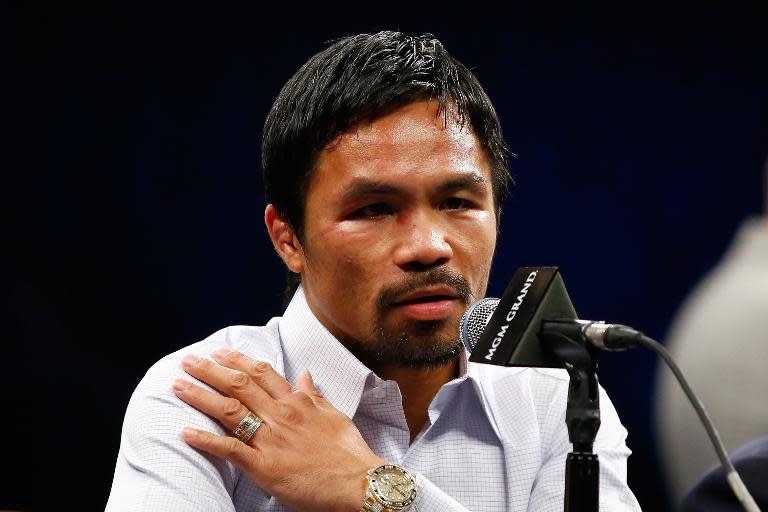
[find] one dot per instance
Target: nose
(423, 245)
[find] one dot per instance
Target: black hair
(361, 78)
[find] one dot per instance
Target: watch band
(370, 504)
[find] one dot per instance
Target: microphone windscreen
(475, 319)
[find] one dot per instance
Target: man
(720, 340)
(385, 171)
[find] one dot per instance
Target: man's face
(400, 230)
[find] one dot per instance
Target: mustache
(457, 282)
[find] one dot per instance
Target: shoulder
(154, 464)
(154, 394)
(257, 342)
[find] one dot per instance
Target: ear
(284, 239)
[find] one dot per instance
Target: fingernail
(189, 360)
(180, 385)
(188, 433)
(222, 352)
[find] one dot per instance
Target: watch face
(393, 485)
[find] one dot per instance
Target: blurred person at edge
(713, 492)
(720, 340)
(385, 170)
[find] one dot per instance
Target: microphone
(534, 314)
(534, 324)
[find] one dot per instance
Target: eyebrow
(361, 187)
(473, 181)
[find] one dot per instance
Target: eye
(456, 203)
(373, 211)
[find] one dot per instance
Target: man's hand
(306, 453)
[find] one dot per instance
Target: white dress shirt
(496, 438)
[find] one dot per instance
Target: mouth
(424, 300)
(434, 303)
(427, 294)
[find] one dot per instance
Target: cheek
(477, 251)
(344, 282)
(345, 262)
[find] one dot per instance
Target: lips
(426, 295)
(433, 303)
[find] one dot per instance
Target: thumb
(306, 384)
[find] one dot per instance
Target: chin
(422, 344)
(424, 340)
(431, 355)
(438, 332)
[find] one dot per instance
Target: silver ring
(247, 427)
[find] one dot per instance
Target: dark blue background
(133, 189)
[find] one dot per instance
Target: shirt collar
(337, 373)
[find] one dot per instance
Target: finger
(232, 383)
(238, 453)
(261, 372)
(228, 411)
(306, 383)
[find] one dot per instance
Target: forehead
(413, 141)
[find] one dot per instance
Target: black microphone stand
(582, 416)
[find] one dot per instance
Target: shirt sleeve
(548, 489)
(156, 469)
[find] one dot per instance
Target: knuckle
(238, 379)
(302, 398)
(259, 368)
(205, 438)
(230, 407)
(290, 414)
(231, 357)
(231, 446)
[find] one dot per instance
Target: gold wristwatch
(390, 489)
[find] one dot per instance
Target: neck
(418, 387)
